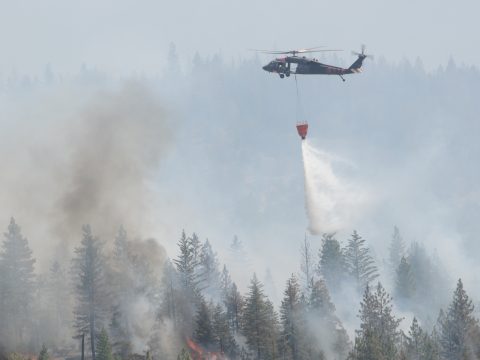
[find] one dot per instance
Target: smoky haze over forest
(209, 146)
(123, 38)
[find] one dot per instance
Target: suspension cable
(298, 105)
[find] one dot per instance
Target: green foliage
(332, 265)
(43, 353)
(420, 345)
(378, 334)
(204, 328)
(104, 348)
(260, 322)
(186, 262)
(225, 342)
(396, 251)
(234, 303)
(88, 269)
(405, 282)
(225, 282)
(292, 318)
(360, 264)
(16, 356)
(208, 270)
(16, 285)
(184, 355)
(458, 326)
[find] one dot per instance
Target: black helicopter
(310, 66)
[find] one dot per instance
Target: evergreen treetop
(359, 262)
(458, 327)
(396, 250)
(332, 262)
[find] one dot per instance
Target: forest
(128, 298)
(94, 202)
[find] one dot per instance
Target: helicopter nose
(265, 67)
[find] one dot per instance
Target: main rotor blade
(317, 51)
(300, 51)
(314, 48)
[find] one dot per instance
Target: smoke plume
(86, 156)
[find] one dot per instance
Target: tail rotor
(362, 54)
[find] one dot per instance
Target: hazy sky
(122, 36)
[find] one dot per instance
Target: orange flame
(198, 353)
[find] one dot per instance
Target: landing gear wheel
(287, 73)
(282, 76)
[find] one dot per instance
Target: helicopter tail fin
(357, 65)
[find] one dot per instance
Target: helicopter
(310, 66)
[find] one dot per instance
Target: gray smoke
(87, 156)
(117, 147)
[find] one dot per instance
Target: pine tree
(172, 60)
(431, 347)
(378, 334)
(260, 324)
(16, 285)
(196, 248)
(272, 333)
(104, 349)
(306, 264)
(237, 251)
(321, 312)
(332, 262)
(292, 321)
(186, 262)
(429, 283)
(43, 353)
(415, 341)
(234, 304)
(204, 329)
(397, 251)
(269, 284)
(422, 271)
(209, 275)
(236, 247)
(405, 282)
(457, 327)
(59, 295)
(359, 263)
(170, 282)
(223, 336)
(88, 270)
(225, 282)
(120, 251)
(122, 288)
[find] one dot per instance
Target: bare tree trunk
(83, 346)
(92, 333)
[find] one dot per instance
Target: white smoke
(332, 202)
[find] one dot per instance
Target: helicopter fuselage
(309, 66)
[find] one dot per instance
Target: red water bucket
(302, 129)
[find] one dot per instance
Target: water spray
(331, 202)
